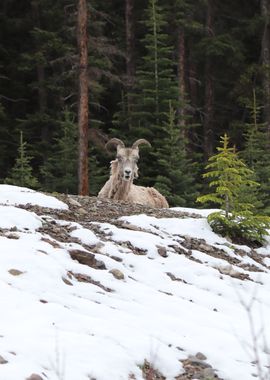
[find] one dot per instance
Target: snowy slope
(65, 320)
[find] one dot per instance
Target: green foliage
(60, 170)
(155, 76)
(22, 173)
(248, 228)
(233, 191)
(178, 172)
(98, 173)
(230, 179)
(257, 153)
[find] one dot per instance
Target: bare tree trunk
(130, 59)
(265, 53)
(208, 143)
(83, 111)
(181, 52)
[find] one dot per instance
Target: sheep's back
(148, 196)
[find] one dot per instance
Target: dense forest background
(179, 73)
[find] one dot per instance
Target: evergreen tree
(155, 77)
(22, 173)
(156, 87)
(233, 192)
(256, 153)
(176, 178)
(60, 170)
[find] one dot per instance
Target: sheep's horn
(140, 141)
(114, 142)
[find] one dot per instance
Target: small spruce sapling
(234, 192)
(21, 173)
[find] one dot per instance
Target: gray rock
(15, 272)
(195, 361)
(86, 258)
(208, 373)
(197, 376)
(200, 356)
(81, 211)
(117, 274)
(162, 251)
(73, 202)
(13, 236)
(34, 376)
(3, 360)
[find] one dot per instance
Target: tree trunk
(83, 187)
(130, 59)
(208, 132)
(265, 55)
(181, 78)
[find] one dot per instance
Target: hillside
(104, 290)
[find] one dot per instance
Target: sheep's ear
(114, 142)
(139, 142)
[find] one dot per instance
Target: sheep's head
(127, 158)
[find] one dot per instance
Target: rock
(117, 274)
(3, 360)
(97, 247)
(86, 258)
(205, 248)
(66, 281)
(228, 270)
(13, 236)
(197, 376)
(84, 278)
(15, 272)
(34, 376)
(81, 211)
(53, 243)
(200, 356)
(73, 202)
(162, 251)
(208, 373)
(195, 361)
(43, 301)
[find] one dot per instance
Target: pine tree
(155, 76)
(176, 178)
(256, 152)
(60, 170)
(155, 87)
(233, 191)
(22, 173)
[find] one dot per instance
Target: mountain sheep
(124, 170)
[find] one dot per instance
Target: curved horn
(140, 141)
(114, 142)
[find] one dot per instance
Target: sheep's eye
(136, 159)
(119, 158)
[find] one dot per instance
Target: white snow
(14, 195)
(77, 330)
(202, 212)
(85, 236)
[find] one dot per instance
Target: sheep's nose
(127, 171)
